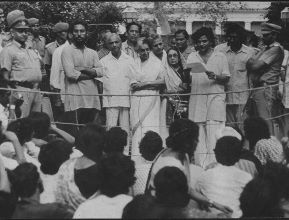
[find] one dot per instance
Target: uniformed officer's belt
(261, 84)
(25, 84)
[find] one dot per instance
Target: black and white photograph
(144, 110)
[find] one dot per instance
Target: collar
(122, 56)
(17, 44)
(242, 49)
(274, 44)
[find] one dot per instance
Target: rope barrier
(144, 95)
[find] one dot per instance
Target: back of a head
(23, 129)
(53, 155)
(228, 150)
(139, 207)
(256, 128)
(150, 145)
(7, 204)
(90, 141)
(171, 187)
(41, 124)
(116, 174)
(259, 199)
(25, 179)
(115, 140)
(182, 132)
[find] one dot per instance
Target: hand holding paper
(197, 67)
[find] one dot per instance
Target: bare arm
(4, 181)
(11, 136)
(70, 139)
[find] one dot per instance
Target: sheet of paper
(197, 67)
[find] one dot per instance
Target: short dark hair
(152, 38)
(235, 28)
(182, 31)
(147, 42)
(53, 155)
(228, 150)
(90, 141)
(25, 179)
(115, 140)
(23, 129)
(133, 23)
(139, 207)
(181, 132)
(76, 22)
(7, 204)
(208, 32)
(172, 188)
(260, 199)
(40, 123)
(116, 174)
(150, 145)
(255, 129)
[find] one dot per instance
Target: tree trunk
(162, 18)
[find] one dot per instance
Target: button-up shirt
(129, 50)
(24, 64)
(273, 56)
(239, 77)
(120, 73)
(73, 59)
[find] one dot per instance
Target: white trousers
(204, 154)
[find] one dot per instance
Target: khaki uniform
(24, 66)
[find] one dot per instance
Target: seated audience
(27, 185)
(51, 157)
(265, 147)
(225, 182)
(267, 195)
(115, 140)
(150, 146)
(73, 183)
(116, 175)
(172, 191)
(181, 145)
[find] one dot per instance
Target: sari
(145, 110)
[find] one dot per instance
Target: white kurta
(208, 110)
(145, 111)
(119, 74)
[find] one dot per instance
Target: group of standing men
(139, 66)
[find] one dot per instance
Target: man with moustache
(81, 66)
(265, 67)
(182, 38)
(22, 65)
(133, 31)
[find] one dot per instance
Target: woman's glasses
(173, 55)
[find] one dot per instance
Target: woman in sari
(145, 110)
(177, 81)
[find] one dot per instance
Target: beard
(79, 42)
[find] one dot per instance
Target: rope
(144, 95)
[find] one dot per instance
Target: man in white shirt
(120, 72)
(133, 31)
(224, 182)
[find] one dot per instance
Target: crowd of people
(185, 132)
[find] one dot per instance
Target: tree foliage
(274, 11)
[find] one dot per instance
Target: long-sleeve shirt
(73, 59)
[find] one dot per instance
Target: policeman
(35, 41)
(60, 30)
(22, 65)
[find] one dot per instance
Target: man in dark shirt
(27, 184)
(266, 69)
